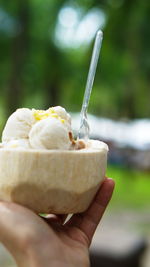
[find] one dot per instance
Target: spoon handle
(83, 131)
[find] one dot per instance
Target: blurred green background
(45, 50)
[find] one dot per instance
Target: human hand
(34, 241)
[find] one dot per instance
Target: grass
(132, 188)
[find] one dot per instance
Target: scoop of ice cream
(62, 113)
(38, 129)
(89, 144)
(18, 125)
(54, 112)
(96, 145)
(50, 133)
(17, 144)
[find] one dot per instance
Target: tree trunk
(52, 94)
(19, 50)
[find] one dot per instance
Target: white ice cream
(62, 113)
(96, 144)
(38, 129)
(20, 143)
(50, 133)
(18, 125)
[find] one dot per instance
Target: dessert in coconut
(43, 168)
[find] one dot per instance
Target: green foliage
(132, 188)
(36, 71)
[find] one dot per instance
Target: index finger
(88, 221)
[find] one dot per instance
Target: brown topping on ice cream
(80, 144)
(71, 138)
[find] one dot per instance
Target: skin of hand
(34, 241)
